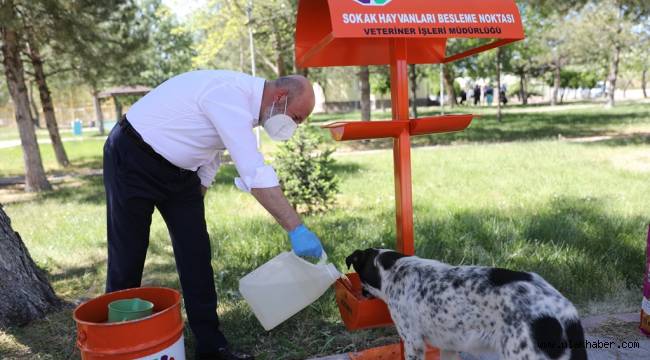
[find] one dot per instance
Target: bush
(306, 171)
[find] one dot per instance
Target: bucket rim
(122, 323)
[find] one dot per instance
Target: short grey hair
(291, 83)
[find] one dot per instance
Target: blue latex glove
(304, 242)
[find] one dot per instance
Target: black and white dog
(471, 308)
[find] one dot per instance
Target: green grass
(522, 124)
(82, 154)
(576, 213)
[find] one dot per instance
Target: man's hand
(203, 190)
(304, 242)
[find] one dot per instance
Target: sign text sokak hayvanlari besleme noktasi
(429, 18)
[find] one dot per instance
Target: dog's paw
(366, 294)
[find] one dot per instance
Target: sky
(182, 8)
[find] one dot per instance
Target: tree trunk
(498, 89)
(279, 60)
(556, 83)
(613, 66)
(34, 110)
(280, 64)
(414, 89)
(364, 84)
(47, 105)
(448, 77)
(98, 111)
(26, 293)
(613, 75)
(118, 108)
(523, 88)
(35, 179)
(644, 82)
(625, 87)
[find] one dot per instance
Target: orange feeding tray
(395, 33)
(358, 130)
(439, 124)
(390, 352)
(357, 311)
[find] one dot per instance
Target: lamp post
(251, 45)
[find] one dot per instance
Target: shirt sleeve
(226, 107)
(208, 171)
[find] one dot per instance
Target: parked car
(599, 90)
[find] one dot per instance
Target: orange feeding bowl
(357, 130)
(357, 311)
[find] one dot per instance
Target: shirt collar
(256, 104)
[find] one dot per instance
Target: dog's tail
(553, 340)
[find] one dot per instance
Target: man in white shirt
(166, 152)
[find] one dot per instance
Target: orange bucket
(155, 337)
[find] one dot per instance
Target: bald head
(299, 92)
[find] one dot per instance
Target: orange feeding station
(395, 33)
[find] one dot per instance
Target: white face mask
(280, 127)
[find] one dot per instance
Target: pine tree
(305, 168)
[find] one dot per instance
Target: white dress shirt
(192, 118)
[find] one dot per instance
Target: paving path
(611, 337)
(56, 178)
(16, 142)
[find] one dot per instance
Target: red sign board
(358, 32)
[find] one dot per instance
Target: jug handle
(323, 258)
(321, 261)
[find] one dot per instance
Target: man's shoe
(224, 354)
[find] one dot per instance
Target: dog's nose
(353, 258)
(348, 261)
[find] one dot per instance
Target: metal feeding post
(396, 33)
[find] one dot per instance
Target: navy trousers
(136, 182)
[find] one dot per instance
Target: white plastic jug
(285, 285)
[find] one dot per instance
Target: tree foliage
(380, 80)
(221, 29)
(168, 50)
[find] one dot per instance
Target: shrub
(306, 171)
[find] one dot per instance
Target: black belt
(135, 136)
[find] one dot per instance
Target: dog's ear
(353, 258)
(369, 271)
(387, 259)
